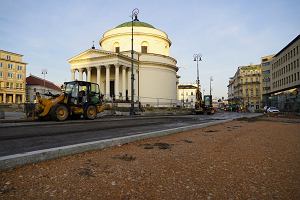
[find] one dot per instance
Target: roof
(187, 87)
(287, 46)
(135, 23)
(10, 52)
(34, 80)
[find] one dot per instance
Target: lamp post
(210, 80)
(135, 12)
(44, 72)
(198, 57)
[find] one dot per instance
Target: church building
(155, 72)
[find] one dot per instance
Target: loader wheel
(60, 113)
(90, 112)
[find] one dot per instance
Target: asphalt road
(31, 136)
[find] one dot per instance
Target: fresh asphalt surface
(31, 136)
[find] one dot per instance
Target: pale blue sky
(227, 33)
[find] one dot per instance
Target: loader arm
(44, 105)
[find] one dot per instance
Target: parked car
(273, 110)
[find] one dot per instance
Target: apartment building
(187, 95)
(285, 77)
(266, 78)
(244, 88)
(12, 77)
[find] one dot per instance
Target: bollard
(2, 114)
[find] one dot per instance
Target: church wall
(157, 45)
(157, 82)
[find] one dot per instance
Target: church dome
(135, 23)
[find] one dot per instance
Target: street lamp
(210, 80)
(198, 57)
(135, 12)
(44, 72)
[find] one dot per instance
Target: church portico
(113, 78)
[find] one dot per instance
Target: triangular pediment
(91, 53)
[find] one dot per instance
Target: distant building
(12, 77)
(36, 84)
(187, 95)
(230, 90)
(285, 78)
(266, 78)
(244, 88)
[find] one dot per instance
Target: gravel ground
(244, 159)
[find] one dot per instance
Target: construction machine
(207, 105)
(198, 103)
(78, 98)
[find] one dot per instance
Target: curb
(12, 161)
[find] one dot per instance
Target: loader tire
(90, 112)
(59, 113)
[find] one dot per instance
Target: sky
(226, 33)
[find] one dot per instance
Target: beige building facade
(12, 77)
(244, 88)
(155, 72)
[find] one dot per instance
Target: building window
(21, 86)
(144, 47)
(192, 93)
(17, 85)
(19, 76)
(7, 84)
(19, 67)
(8, 57)
(1, 74)
(10, 66)
(0, 64)
(117, 47)
(10, 75)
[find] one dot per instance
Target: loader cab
(82, 92)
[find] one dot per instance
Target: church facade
(155, 72)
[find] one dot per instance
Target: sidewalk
(243, 159)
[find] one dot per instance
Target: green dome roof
(135, 23)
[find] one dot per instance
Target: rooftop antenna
(93, 47)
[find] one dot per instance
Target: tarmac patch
(159, 145)
(85, 171)
(211, 131)
(187, 141)
(125, 157)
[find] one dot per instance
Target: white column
(107, 79)
(80, 73)
(117, 81)
(14, 98)
(135, 83)
(72, 74)
(129, 83)
(4, 97)
(124, 82)
(99, 75)
(23, 98)
(88, 76)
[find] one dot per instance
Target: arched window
(144, 47)
(117, 47)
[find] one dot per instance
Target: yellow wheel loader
(79, 98)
